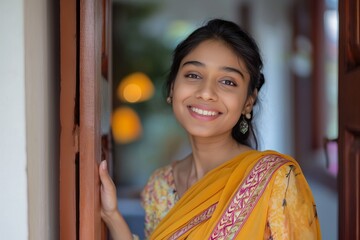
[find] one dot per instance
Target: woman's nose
(207, 91)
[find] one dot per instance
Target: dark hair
(244, 47)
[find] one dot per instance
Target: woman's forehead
(214, 53)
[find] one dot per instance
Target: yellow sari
(232, 202)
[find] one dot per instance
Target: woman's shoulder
(286, 171)
(275, 156)
(161, 180)
(162, 174)
(274, 163)
(158, 196)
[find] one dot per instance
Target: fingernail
(103, 164)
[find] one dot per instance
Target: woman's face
(210, 90)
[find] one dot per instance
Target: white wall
(272, 30)
(42, 118)
(28, 121)
(13, 177)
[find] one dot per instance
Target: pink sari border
(205, 215)
(246, 197)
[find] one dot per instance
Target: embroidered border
(246, 197)
(206, 214)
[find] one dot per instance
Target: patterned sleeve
(158, 197)
(292, 211)
(150, 208)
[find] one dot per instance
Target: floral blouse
(283, 221)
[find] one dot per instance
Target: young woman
(224, 189)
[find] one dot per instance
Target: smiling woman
(224, 188)
(210, 90)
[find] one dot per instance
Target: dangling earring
(244, 126)
(169, 100)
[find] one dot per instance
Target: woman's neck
(208, 154)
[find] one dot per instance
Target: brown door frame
(84, 65)
(349, 119)
(69, 120)
(90, 135)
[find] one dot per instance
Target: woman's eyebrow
(196, 63)
(231, 69)
(226, 69)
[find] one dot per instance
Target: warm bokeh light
(132, 92)
(126, 125)
(136, 87)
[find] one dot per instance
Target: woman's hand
(108, 192)
(109, 211)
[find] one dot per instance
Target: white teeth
(203, 112)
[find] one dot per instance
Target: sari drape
(229, 202)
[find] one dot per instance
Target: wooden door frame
(349, 119)
(84, 62)
(90, 135)
(69, 120)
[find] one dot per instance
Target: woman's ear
(171, 90)
(170, 96)
(250, 101)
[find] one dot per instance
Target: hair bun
(261, 81)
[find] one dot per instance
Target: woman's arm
(116, 224)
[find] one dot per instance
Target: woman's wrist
(110, 216)
(117, 226)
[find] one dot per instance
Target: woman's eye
(228, 82)
(192, 75)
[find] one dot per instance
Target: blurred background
(297, 114)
